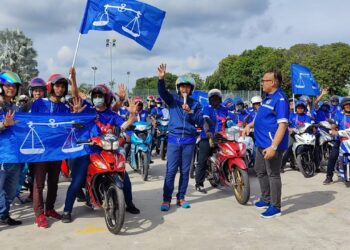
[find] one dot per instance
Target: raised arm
(163, 92)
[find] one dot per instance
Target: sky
(194, 37)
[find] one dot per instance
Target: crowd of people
(276, 115)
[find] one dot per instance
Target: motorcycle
(326, 142)
(303, 149)
(162, 137)
(250, 147)
(344, 154)
(104, 182)
(227, 165)
(140, 153)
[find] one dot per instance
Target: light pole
(111, 43)
(94, 68)
(128, 74)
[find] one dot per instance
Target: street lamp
(128, 74)
(111, 43)
(94, 68)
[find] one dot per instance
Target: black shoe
(132, 209)
(11, 222)
(318, 170)
(151, 161)
(201, 189)
(66, 217)
(81, 196)
(328, 180)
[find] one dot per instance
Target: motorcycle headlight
(106, 145)
(100, 165)
(115, 145)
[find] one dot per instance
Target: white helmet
(256, 99)
(213, 92)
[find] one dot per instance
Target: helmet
(185, 80)
(214, 92)
(105, 91)
(239, 102)
(305, 98)
(9, 78)
(54, 79)
(37, 83)
(150, 98)
(334, 98)
(23, 98)
(228, 100)
(159, 100)
(256, 99)
(300, 103)
(138, 99)
(344, 101)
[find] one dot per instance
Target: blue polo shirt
(44, 105)
(274, 109)
(142, 116)
(297, 120)
(213, 114)
(157, 112)
(123, 112)
(343, 121)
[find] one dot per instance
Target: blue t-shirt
(322, 115)
(213, 114)
(142, 116)
(274, 109)
(240, 118)
(297, 120)
(44, 105)
(123, 112)
(343, 121)
(157, 112)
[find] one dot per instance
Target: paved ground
(314, 217)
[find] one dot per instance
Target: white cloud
(65, 55)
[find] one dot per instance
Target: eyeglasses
(265, 80)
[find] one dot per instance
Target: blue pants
(179, 157)
(79, 167)
(9, 176)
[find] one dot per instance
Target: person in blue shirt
(342, 121)
(211, 126)
(271, 139)
(256, 102)
(335, 107)
(228, 103)
(157, 111)
(185, 113)
(324, 112)
(295, 120)
(102, 99)
(9, 172)
(240, 116)
(123, 110)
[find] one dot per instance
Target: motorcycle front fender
(303, 148)
(142, 147)
(239, 162)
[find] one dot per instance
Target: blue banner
(45, 137)
(136, 20)
(303, 82)
(201, 96)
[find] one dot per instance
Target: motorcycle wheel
(194, 161)
(305, 164)
(144, 165)
(240, 184)
(162, 150)
(212, 176)
(114, 209)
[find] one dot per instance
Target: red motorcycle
(227, 166)
(104, 182)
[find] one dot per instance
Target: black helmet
(344, 101)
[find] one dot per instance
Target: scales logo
(132, 28)
(33, 143)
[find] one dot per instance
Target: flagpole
(76, 50)
(294, 103)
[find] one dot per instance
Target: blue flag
(45, 137)
(303, 82)
(136, 20)
(201, 96)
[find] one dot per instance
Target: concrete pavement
(314, 216)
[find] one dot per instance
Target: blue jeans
(179, 157)
(9, 176)
(78, 167)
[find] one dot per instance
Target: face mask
(98, 102)
(325, 108)
(239, 107)
(231, 108)
(159, 105)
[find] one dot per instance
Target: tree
(18, 55)
(85, 88)
(112, 84)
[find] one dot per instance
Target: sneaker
(132, 209)
(271, 212)
(52, 213)
(201, 189)
(183, 204)
(165, 206)
(328, 180)
(66, 217)
(10, 222)
(41, 221)
(262, 204)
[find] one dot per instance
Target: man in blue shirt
(342, 122)
(271, 139)
(185, 113)
(211, 126)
